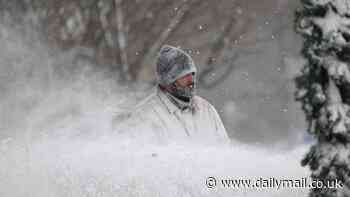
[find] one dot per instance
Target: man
(173, 112)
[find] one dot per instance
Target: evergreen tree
(323, 88)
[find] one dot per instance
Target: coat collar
(171, 107)
(173, 104)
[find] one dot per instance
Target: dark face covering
(183, 93)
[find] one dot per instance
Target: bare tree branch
(177, 19)
(122, 41)
(215, 52)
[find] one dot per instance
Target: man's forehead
(186, 77)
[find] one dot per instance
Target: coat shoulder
(147, 104)
(202, 103)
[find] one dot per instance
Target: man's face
(185, 81)
(183, 88)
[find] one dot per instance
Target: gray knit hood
(173, 63)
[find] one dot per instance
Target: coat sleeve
(219, 126)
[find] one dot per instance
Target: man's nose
(189, 79)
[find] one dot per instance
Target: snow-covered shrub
(322, 89)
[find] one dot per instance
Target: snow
(239, 10)
(332, 26)
(329, 157)
(342, 6)
(338, 70)
(109, 166)
(74, 26)
(60, 140)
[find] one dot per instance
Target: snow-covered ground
(108, 166)
(66, 146)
